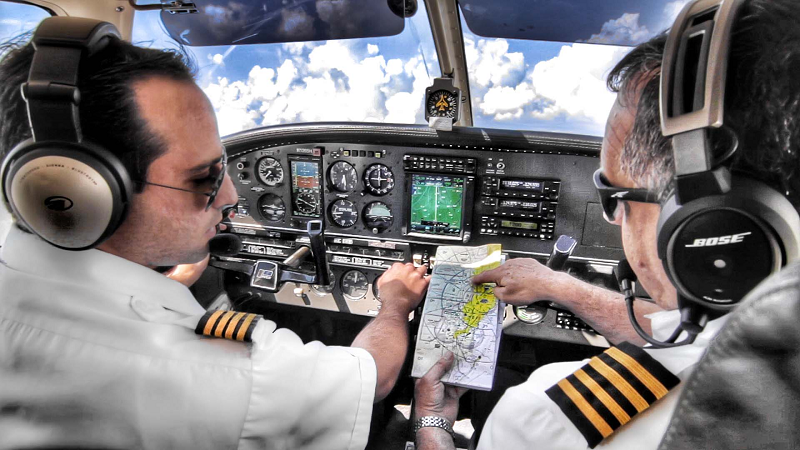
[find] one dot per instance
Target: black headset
(719, 234)
(70, 192)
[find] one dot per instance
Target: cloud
(490, 62)
(217, 59)
(326, 82)
(574, 82)
(672, 9)
(623, 31)
(571, 85)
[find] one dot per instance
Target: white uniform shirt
(525, 417)
(98, 351)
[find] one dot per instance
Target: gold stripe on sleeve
(222, 323)
(232, 326)
(623, 386)
(603, 396)
(585, 408)
(640, 372)
(211, 321)
(245, 325)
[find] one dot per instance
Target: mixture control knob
(298, 292)
(241, 165)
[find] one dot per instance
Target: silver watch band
(434, 421)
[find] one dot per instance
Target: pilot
(99, 350)
(549, 410)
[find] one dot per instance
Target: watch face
(442, 103)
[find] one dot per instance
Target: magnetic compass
(442, 99)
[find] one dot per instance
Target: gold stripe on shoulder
(245, 325)
(638, 371)
(603, 396)
(211, 321)
(222, 322)
(620, 383)
(232, 326)
(588, 411)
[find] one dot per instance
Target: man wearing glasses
(636, 173)
(99, 350)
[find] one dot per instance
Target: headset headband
(51, 91)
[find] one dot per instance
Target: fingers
(489, 276)
(438, 370)
(422, 270)
(455, 391)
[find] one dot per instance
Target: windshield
(365, 80)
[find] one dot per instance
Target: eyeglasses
(610, 195)
(219, 177)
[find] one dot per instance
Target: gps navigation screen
(436, 204)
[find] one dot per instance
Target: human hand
(522, 281)
(403, 286)
(434, 398)
(188, 274)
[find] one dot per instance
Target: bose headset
(70, 192)
(719, 234)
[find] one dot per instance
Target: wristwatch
(434, 421)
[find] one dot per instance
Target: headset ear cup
(74, 196)
(716, 249)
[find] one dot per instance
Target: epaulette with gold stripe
(232, 325)
(608, 392)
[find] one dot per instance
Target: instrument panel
(394, 193)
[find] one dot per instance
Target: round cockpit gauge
(378, 179)
(306, 203)
(344, 213)
(343, 177)
(354, 285)
(378, 216)
(442, 103)
(272, 207)
(375, 290)
(269, 171)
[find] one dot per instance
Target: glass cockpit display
(437, 202)
(306, 192)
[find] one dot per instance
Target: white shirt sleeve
(526, 418)
(310, 396)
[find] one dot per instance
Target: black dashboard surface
(393, 193)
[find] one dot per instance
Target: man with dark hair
(99, 350)
(762, 104)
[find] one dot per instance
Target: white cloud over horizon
(342, 81)
(327, 82)
(622, 31)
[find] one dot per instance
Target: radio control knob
(241, 165)
(501, 166)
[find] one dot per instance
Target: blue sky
(515, 84)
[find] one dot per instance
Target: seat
(745, 391)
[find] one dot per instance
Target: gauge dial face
(378, 216)
(442, 103)
(354, 285)
(269, 171)
(375, 290)
(272, 207)
(344, 213)
(379, 179)
(343, 177)
(306, 203)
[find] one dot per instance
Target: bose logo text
(721, 240)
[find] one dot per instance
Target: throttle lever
(562, 249)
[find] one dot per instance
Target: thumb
(443, 365)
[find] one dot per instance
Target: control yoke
(271, 275)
